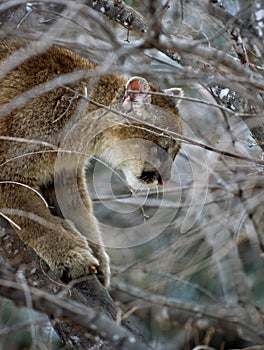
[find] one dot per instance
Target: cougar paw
(103, 271)
(78, 262)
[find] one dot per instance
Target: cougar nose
(151, 176)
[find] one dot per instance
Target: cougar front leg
(75, 204)
(55, 240)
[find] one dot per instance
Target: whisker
(157, 191)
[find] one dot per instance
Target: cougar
(57, 111)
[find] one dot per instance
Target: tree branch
(121, 13)
(90, 315)
(239, 321)
(133, 20)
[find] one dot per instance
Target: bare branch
(118, 11)
(232, 320)
(94, 311)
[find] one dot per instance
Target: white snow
(223, 93)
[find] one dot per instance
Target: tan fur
(60, 232)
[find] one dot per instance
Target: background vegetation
(187, 260)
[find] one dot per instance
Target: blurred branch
(133, 20)
(247, 110)
(121, 13)
(75, 76)
(137, 23)
(76, 315)
(217, 10)
(233, 320)
(92, 319)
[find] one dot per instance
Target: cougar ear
(135, 91)
(175, 92)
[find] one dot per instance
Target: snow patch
(260, 15)
(223, 93)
